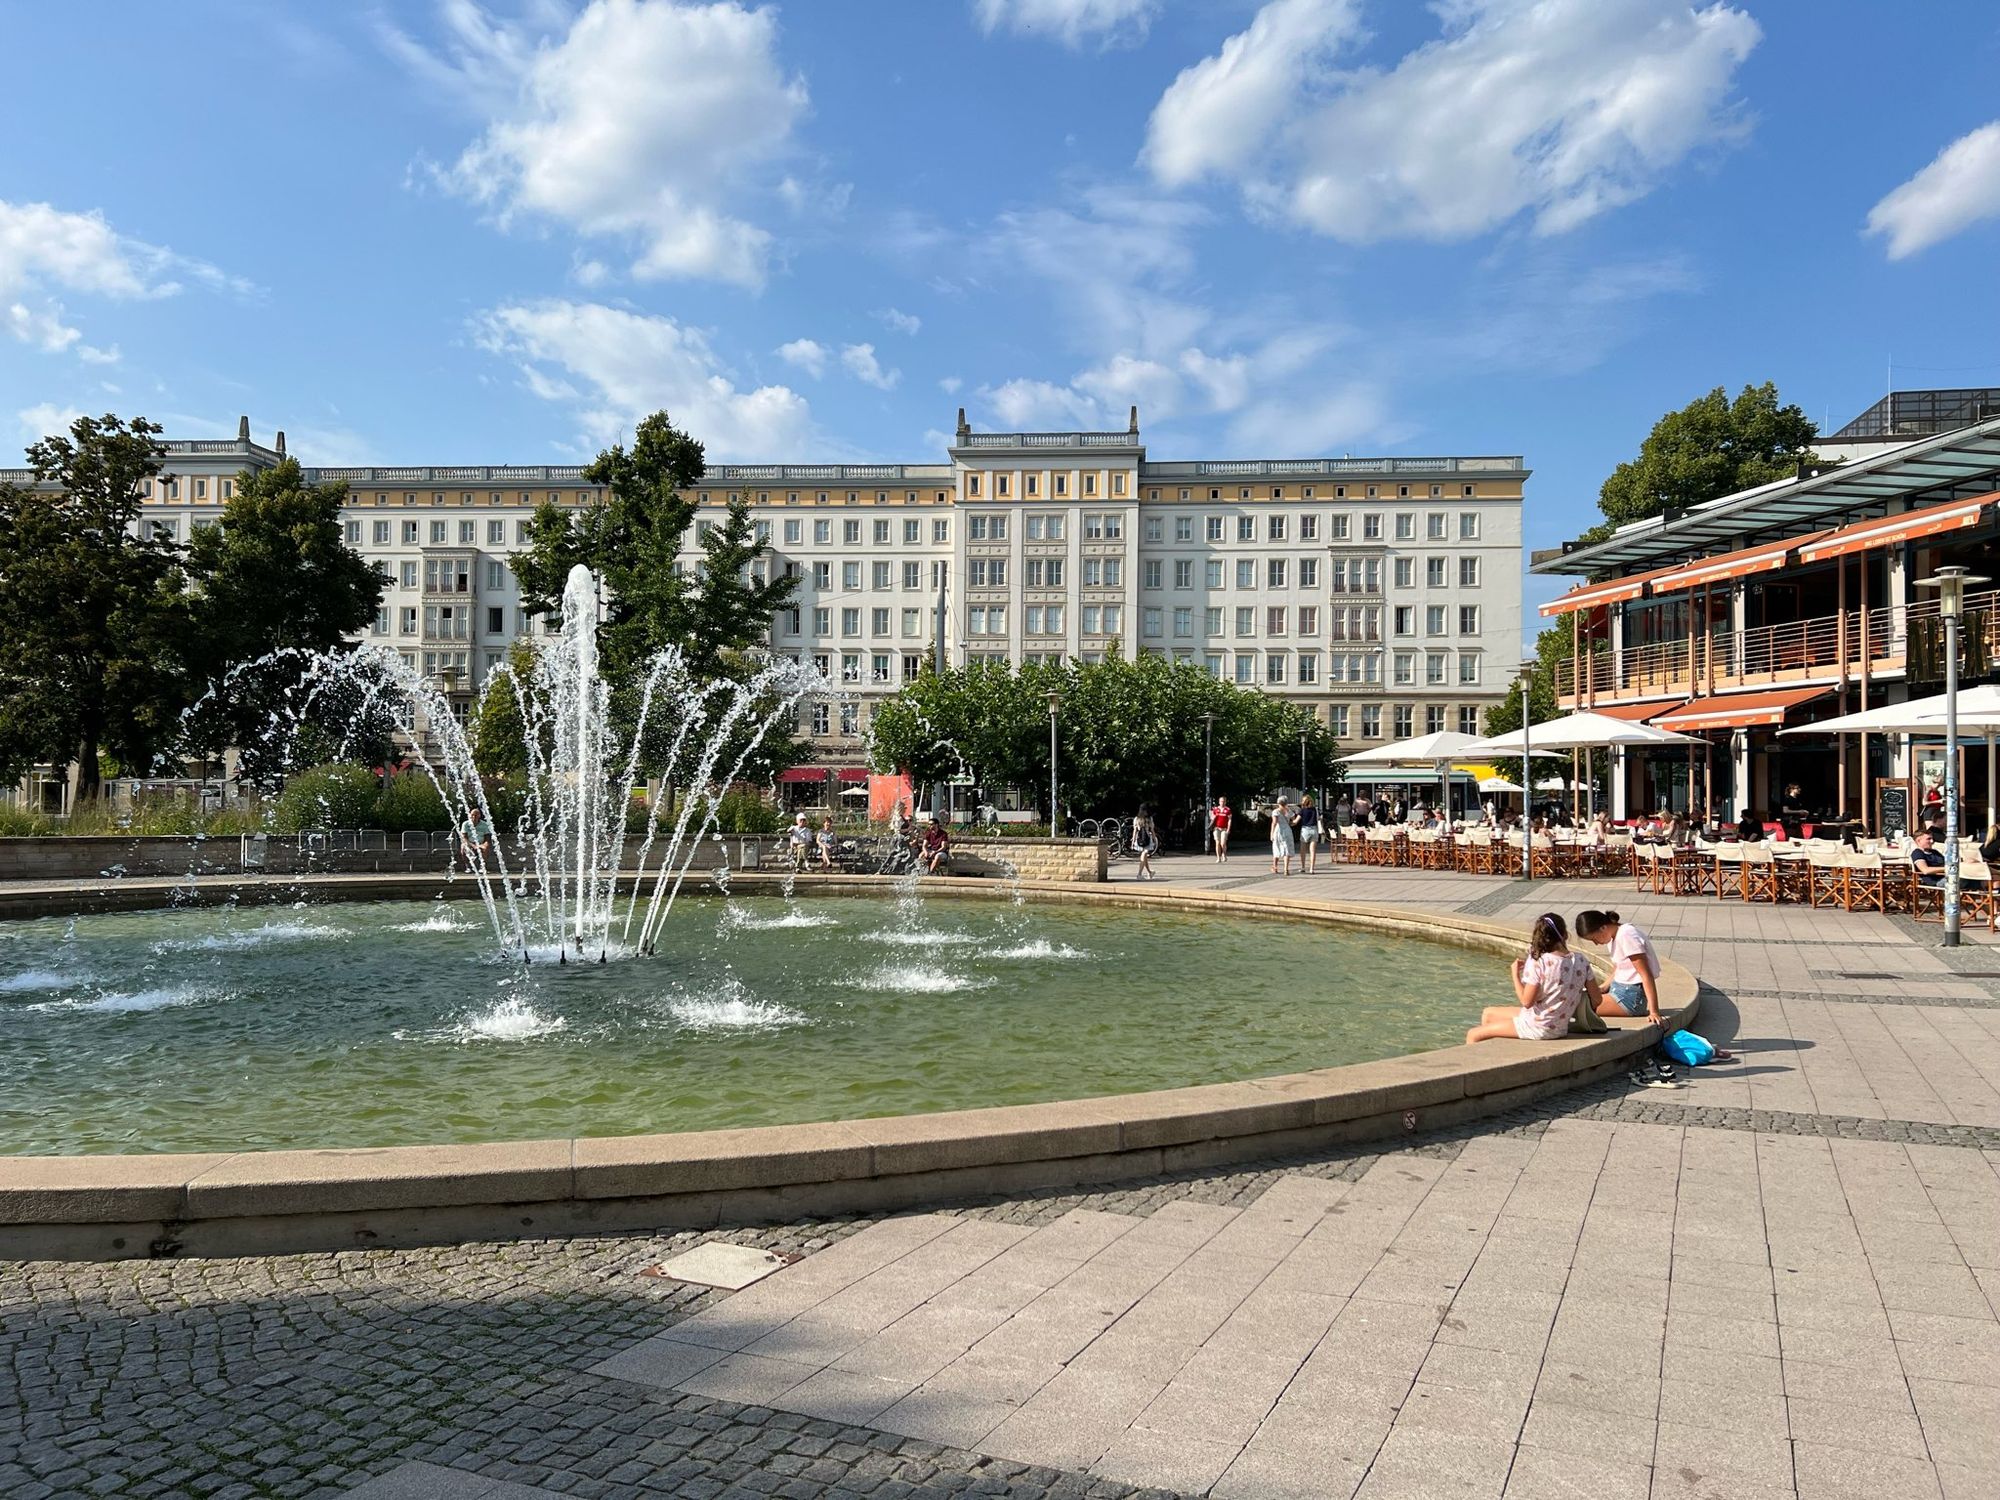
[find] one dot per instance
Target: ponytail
(1588, 922)
(1547, 935)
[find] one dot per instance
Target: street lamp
(1527, 772)
(1302, 760)
(1055, 698)
(1950, 583)
(1207, 797)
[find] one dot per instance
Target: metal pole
(1207, 796)
(1054, 817)
(937, 664)
(1951, 884)
(1527, 772)
(1302, 762)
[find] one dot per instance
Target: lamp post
(1527, 772)
(1055, 698)
(1950, 583)
(1207, 796)
(1302, 760)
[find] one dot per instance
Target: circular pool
(393, 1023)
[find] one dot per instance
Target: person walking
(1145, 840)
(1309, 831)
(1281, 837)
(1219, 819)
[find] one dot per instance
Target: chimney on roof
(964, 429)
(242, 429)
(280, 445)
(1132, 426)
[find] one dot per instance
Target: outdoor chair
(1861, 882)
(1823, 882)
(1728, 871)
(1975, 896)
(1899, 886)
(1645, 861)
(1759, 874)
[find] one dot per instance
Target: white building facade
(1383, 593)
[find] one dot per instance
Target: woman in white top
(1550, 983)
(1635, 967)
(1281, 837)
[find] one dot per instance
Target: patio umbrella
(1978, 711)
(1438, 750)
(1579, 731)
(1498, 784)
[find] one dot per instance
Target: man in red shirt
(1218, 821)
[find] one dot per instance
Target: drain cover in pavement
(731, 1267)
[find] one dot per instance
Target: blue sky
(444, 232)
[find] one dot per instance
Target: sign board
(1892, 809)
(962, 780)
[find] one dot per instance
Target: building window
(1000, 483)
(1274, 620)
(822, 622)
(1246, 622)
(1468, 523)
(940, 530)
(1156, 529)
(1092, 620)
(1151, 623)
(1031, 485)
(822, 531)
(1246, 668)
(380, 533)
(1337, 720)
(1406, 573)
(1052, 616)
(913, 623)
(1211, 620)
(1246, 528)
(1434, 525)
(1434, 664)
(1468, 619)
(1274, 668)
(972, 484)
(1468, 721)
(1246, 573)
(1406, 620)
(1371, 526)
(1339, 525)
(1308, 619)
(878, 622)
(406, 620)
(1434, 572)
(1212, 573)
(1468, 572)
(1275, 573)
(1308, 528)
(1275, 528)
(913, 530)
(1213, 528)
(1183, 622)
(1434, 719)
(1308, 668)
(1468, 668)
(881, 531)
(913, 575)
(1184, 573)
(496, 574)
(1404, 718)
(1308, 572)
(1434, 619)
(1406, 526)
(850, 533)
(850, 576)
(1183, 528)
(1154, 574)
(850, 622)
(1371, 723)
(408, 571)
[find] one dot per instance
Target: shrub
(332, 796)
(746, 812)
(410, 803)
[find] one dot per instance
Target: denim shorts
(1631, 998)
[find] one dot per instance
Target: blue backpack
(1685, 1047)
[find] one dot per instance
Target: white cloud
(1307, 424)
(616, 366)
(1071, 22)
(1559, 108)
(861, 363)
(950, 385)
(900, 321)
(644, 122)
(46, 420)
(1026, 405)
(1219, 113)
(45, 251)
(806, 355)
(1957, 190)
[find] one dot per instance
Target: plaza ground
(1781, 1280)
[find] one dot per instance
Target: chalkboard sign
(1892, 808)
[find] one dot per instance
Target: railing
(1249, 468)
(463, 474)
(1047, 440)
(1796, 652)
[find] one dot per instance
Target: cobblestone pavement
(310, 1375)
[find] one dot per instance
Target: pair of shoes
(1664, 1072)
(1646, 1079)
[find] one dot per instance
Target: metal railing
(1797, 651)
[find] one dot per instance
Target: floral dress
(1559, 979)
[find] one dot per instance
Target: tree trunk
(89, 775)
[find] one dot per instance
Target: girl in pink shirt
(1549, 983)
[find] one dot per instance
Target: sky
(448, 231)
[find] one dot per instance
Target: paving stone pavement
(1780, 1280)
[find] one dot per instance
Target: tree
(1129, 732)
(94, 626)
(274, 585)
(633, 539)
(1711, 447)
(499, 731)
(1552, 648)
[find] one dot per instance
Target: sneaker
(1646, 1080)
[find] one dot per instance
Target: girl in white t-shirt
(1635, 967)
(1550, 983)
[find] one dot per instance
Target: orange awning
(1610, 591)
(1739, 710)
(1637, 713)
(1888, 531)
(1767, 558)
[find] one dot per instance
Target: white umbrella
(1438, 750)
(1978, 708)
(1498, 784)
(855, 791)
(1551, 784)
(1578, 731)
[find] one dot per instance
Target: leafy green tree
(274, 584)
(1552, 649)
(632, 540)
(1128, 732)
(1711, 447)
(498, 730)
(94, 627)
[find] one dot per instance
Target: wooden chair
(1645, 860)
(1728, 859)
(1794, 872)
(1861, 882)
(1823, 875)
(1759, 874)
(1975, 880)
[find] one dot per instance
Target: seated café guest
(1927, 859)
(1675, 830)
(1990, 850)
(1549, 983)
(1749, 827)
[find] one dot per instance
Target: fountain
(559, 898)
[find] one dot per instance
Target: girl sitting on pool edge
(1549, 983)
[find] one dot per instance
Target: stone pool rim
(104, 1207)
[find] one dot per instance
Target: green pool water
(393, 1023)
